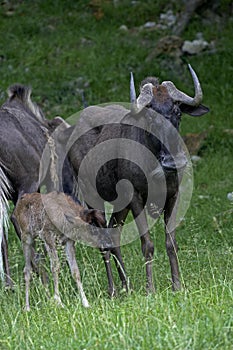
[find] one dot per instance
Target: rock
(195, 159)
(167, 19)
(201, 196)
(123, 28)
(86, 42)
(228, 131)
(194, 47)
(149, 25)
(230, 196)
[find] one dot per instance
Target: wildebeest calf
(56, 217)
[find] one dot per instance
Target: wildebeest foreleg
(116, 223)
(171, 245)
(106, 256)
(4, 248)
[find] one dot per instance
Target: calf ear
(194, 111)
(93, 216)
(99, 218)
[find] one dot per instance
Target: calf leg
(146, 244)
(50, 246)
(37, 268)
(171, 244)
(71, 259)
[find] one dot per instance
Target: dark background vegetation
(62, 48)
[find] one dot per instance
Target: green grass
(60, 47)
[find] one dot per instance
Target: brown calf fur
(56, 217)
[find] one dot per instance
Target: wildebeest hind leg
(4, 248)
(146, 243)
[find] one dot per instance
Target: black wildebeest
(24, 138)
(4, 220)
(107, 150)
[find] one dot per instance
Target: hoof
(26, 308)
(9, 287)
(112, 293)
(176, 287)
(150, 290)
(85, 303)
(58, 301)
(126, 289)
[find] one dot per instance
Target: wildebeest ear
(194, 111)
(93, 216)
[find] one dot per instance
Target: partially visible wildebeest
(120, 138)
(57, 217)
(4, 220)
(25, 137)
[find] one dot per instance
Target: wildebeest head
(166, 99)
(169, 102)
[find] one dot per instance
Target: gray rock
(123, 28)
(168, 19)
(194, 47)
(195, 158)
(149, 25)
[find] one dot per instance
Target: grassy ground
(61, 48)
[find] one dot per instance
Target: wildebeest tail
(4, 218)
(23, 93)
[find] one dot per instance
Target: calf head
(91, 228)
(93, 217)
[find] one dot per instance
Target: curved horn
(132, 89)
(180, 96)
(145, 97)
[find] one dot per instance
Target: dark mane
(23, 94)
(153, 80)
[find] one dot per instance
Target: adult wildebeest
(112, 147)
(4, 221)
(24, 137)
